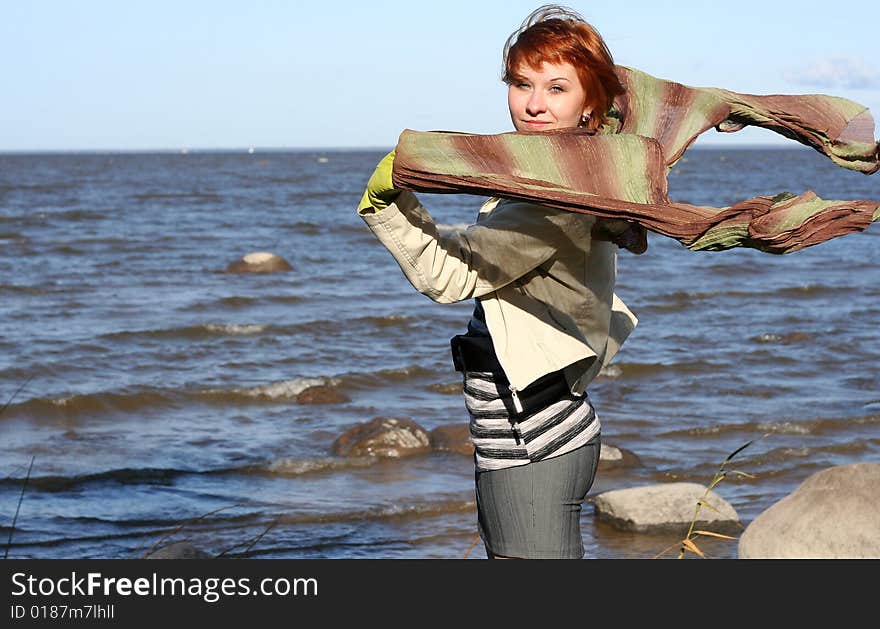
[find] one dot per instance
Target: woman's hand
(380, 190)
(625, 234)
(634, 239)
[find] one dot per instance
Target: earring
(584, 119)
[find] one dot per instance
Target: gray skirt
(533, 511)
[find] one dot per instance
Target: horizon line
(335, 149)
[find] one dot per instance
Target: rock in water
(259, 262)
(321, 394)
(383, 436)
(833, 514)
(612, 457)
(452, 438)
(665, 508)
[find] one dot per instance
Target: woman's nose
(536, 104)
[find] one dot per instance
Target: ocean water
(155, 395)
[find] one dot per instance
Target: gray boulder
(612, 457)
(833, 514)
(259, 262)
(665, 508)
(383, 436)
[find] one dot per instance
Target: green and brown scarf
(620, 173)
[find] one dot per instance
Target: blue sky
(132, 75)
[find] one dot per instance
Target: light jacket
(546, 286)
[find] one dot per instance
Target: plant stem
(18, 507)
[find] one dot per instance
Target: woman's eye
(556, 88)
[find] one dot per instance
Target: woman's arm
(513, 240)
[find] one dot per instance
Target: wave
(446, 388)
(358, 229)
(642, 370)
(803, 456)
(317, 326)
(24, 290)
(299, 467)
(812, 290)
(787, 338)
(816, 426)
(679, 300)
(819, 426)
(684, 300)
(50, 187)
(76, 216)
(237, 302)
(90, 405)
(294, 180)
(190, 332)
(235, 329)
(306, 228)
(175, 196)
(276, 391)
(125, 476)
(109, 242)
(361, 380)
(13, 236)
(149, 476)
(386, 321)
(416, 509)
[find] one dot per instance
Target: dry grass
(687, 544)
(247, 544)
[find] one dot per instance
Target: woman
(546, 318)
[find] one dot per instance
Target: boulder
(452, 438)
(833, 514)
(321, 394)
(383, 436)
(612, 457)
(259, 262)
(665, 508)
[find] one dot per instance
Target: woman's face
(550, 97)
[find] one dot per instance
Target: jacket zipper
(517, 404)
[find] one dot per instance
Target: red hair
(555, 34)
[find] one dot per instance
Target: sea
(149, 396)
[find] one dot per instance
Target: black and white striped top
(502, 440)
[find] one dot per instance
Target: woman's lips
(536, 124)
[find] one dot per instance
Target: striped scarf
(621, 172)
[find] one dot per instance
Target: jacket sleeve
(452, 266)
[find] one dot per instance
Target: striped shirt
(502, 440)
